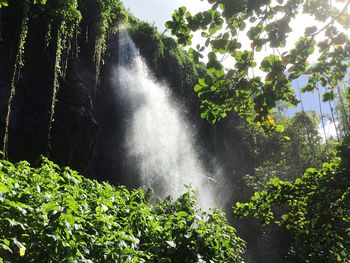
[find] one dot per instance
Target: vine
(0, 25)
(57, 73)
(18, 64)
(109, 16)
(63, 18)
(68, 17)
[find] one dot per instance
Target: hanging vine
(68, 17)
(109, 12)
(57, 73)
(63, 18)
(0, 25)
(18, 64)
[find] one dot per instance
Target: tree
(315, 210)
(266, 23)
(288, 154)
(343, 109)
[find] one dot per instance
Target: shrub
(52, 214)
(316, 210)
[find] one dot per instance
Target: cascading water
(158, 140)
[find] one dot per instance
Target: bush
(52, 214)
(316, 210)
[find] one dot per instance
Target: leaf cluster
(286, 153)
(265, 23)
(316, 211)
(52, 214)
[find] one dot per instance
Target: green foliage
(265, 23)
(108, 15)
(149, 41)
(287, 153)
(315, 209)
(166, 58)
(4, 3)
(43, 2)
(49, 214)
(342, 109)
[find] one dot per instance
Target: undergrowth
(52, 214)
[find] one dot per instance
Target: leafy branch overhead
(267, 24)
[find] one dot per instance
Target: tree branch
(333, 19)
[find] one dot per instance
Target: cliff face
(56, 62)
(50, 74)
(55, 66)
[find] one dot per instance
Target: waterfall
(159, 141)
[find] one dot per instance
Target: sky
(157, 12)
(160, 11)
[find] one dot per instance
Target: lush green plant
(315, 209)
(289, 153)
(49, 214)
(167, 60)
(6, 2)
(148, 40)
(265, 23)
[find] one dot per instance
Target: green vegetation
(315, 209)
(287, 153)
(343, 109)
(60, 54)
(265, 24)
(49, 214)
(165, 57)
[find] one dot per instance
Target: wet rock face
(87, 131)
(74, 129)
